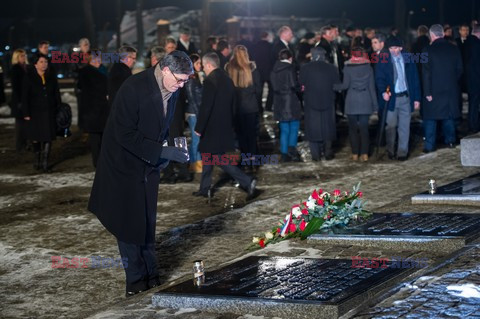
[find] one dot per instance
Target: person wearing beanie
(304, 47)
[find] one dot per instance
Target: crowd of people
(322, 76)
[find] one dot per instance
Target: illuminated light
(7, 47)
(59, 76)
(76, 49)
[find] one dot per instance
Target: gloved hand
(173, 153)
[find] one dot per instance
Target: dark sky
(63, 19)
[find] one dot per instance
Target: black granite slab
(462, 192)
(408, 231)
(285, 287)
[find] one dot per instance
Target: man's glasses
(179, 81)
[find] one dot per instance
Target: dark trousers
(358, 133)
(247, 132)
(141, 272)
(20, 138)
(319, 148)
(430, 130)
(473, 112)
(233, 171)
(95, 141)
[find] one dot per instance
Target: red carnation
(320, 191)
(320, 202)
(262, 243)
(315, 195)
(279, 230)
(360, 194)
(305, 211)
(292, 227)
(302, 226)
(336, 192)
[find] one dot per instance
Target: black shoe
(426, 151)
(129, 294)
(294, 155)
(402, 158)
(329, 157)
(286, 158)
(391, 156)
(155, 282)
(202, 194)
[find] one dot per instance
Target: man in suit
(262, 55)
(473, 80)
(215, 126)
(121, 71)
(402, 78)
(441, 76)
(184, 42)
(125, 188)
(223, 52)
(285, 35)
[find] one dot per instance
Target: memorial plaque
(409, 231)
(463, 192)
(285, 287)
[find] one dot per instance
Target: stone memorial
(470, 150)
(284, 287)
(407, 231)
(463, 192)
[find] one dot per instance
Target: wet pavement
(44, 215)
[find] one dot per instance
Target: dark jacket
(194, 95)
(95, 108)
(384, 76)
(191, 47)
(262, 55)
(473, 65)
(117, 75)
(278, 46)
(303, 48)
(318, 79)
(247, 98)
(215, 118)
(286, 105)
(17, 74)
(330, 49)
(359, 81)
(40, 103)
(441, 75)
(131, 147)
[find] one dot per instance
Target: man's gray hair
(283, 29)
(127, 49)
(318, 53)
(212, 58)
(437, 30)
(178, 62)
(158, 52)
(83, 40)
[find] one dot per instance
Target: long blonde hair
(16, 54)
(239, 67)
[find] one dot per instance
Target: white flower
(296, 211)
(255, 240)
(268, 235)
(311, 203)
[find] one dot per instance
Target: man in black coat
(318, 78)
(125, 188)
(184, 42)
(121, 71)
(262, 55)
(285, 35)
(215, 127)
(473, 80)
(441, 76)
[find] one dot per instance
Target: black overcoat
(93, 84)
(40, 103)
(441, 75)
(473, 65)
(17, 74)
(131, 147)
(318, 79)
(286, 105)
(216, 114)
(117, 75)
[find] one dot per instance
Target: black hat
(394, 42)
(309, 35)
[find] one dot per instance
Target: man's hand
(173, 153)
(386, 96)
(416, 105)
(429, 98)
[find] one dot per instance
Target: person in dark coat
(304, 47)
(402, 78)
(94, 96)
(184, 42)
(17, 74)
(285, 35)
(318, 78)
(361, 101)
(286, 105)
(246, 80)
(215, 127)
(473, 80)
(194, 89)
(441, 76)
(223, 52)
(120, 71)
(262, 55)
(40, 100)
(462, 43)
(125, 188)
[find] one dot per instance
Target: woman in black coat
(18, 72)
(246, 80)
(93, 84)
(40, 100)
(286, 105)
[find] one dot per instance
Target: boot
(286, 158)
(46, 153)
(294, 155)
(37, 156)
